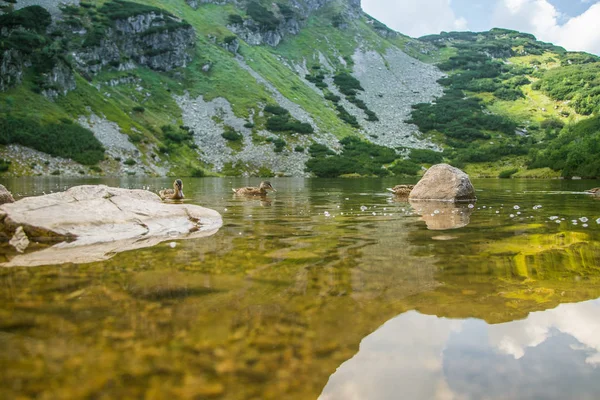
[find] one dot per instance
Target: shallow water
(309, 296)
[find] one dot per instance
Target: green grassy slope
(538, 93)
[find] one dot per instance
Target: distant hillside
(261, 88)
(510, 101)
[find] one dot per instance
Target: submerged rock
(92, 223)
(443, 182)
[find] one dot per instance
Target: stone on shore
(442, 182)
(94, 222)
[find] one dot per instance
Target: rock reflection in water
(440, 216)
(552, 354)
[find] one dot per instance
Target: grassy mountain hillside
(512, 105)
(260, 88)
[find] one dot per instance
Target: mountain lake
(326, 289)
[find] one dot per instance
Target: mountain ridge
(255, 92)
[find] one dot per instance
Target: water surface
(329, 289)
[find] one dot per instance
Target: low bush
(265, 18)
(424, 156)
(405, 167)
(508, 173)
(276, 110)
(4, 165)
(232, 135)
(57, 139)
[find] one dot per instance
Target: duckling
(255, 191)
(173, 194)
(594, 191)
(401, 190)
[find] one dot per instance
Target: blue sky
(574, 24)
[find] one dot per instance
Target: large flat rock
(94, 222)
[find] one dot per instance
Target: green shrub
(229, 39)
(276, 110)
(57, 139)
(508, 173)
(120, 9)
(509, 94)
(4, 165)
(300, 127)
(232, 135)
(286, 11)
(279, 145)
(299, 149)
(265, 18)
(347, 84)
(357, 157)
(574, 152)
(235, 19)
(345, 116)
(176, 135)
(424, 156)
(130, 162)
(197, 173)
(579, 84)
(332, 97)
(405, 167)
(371, 116)
(552, 124)
(33, 18)
(139, 109)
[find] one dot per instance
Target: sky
(573, 24)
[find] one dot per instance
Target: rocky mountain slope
(259, 88)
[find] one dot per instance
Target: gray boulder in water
(5, 196)
(92, 223)
(443, 182)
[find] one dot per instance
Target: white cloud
(416, 17)
(543, 20)
(578, 320)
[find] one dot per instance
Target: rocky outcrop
(11, 69)
(443, 182)
(289, 19)
(95, 222)
(59, 81)
(157, 41)
(255, 34)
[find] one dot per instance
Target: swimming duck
(173, 194)
(401, 190)
(255, 191)
(594, 191)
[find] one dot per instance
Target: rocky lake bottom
(326, 289)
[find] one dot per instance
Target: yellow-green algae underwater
(278, 299)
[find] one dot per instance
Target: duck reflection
(263, 201)
(552, 354)
(440, 216)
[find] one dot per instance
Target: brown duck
(594, 191)
(255, 191)
(173, 194)
(401, 190)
